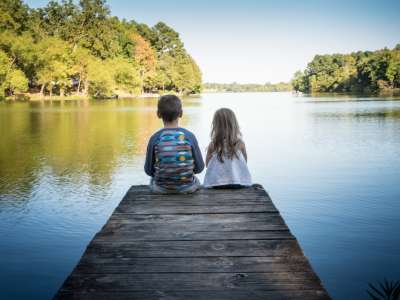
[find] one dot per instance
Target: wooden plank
(314, 294)
(255, 189)
(204, 194)
(188, 281)
(161, 207)
(131, 207)
(196, 198)
(187, 226)
(185, 234)
(193, 248)
(218, 264)
(217, 218)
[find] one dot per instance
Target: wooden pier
(215, 244)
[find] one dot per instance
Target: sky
(254, 41)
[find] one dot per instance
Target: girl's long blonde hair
(226, 138)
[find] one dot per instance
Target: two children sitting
(173, 156)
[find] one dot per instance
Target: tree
(81, 60)
(395, 67)
(57, 19)
(22, 50)
(5, 67)
(99, 81)
(126, 76)
(93, 30)
(147, 33)
(145, 58)
(12, 80)
(15, 82)
(188, 77)
(166, 40)
(54, 65)
(176, 69)
(87, 25)
(13, 15)
(298, 82)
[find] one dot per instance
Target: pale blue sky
(260, 41)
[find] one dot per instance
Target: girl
(226, 158)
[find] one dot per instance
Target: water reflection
(72, 138)
(378, 114)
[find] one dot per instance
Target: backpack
(174, 160)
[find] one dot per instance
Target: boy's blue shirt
(149, 166)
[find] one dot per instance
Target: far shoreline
(31, 97)
(34, 97)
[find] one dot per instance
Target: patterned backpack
(174, 161)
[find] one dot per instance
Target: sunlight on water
(331, 165)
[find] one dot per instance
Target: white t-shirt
(231, 171)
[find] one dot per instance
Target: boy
(173, 155)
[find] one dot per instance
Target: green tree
(93, 30)
(5, 67)
(54, 65)
(298, 82)
(188, 76)
(100, 79)
(166, 40)
(81, 60)
(15, 82)
(14, 15)
(57, 19)
(395, 67)
(22, 50)
(126, 76)
(12, 80)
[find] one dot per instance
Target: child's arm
(243, 149)
(150, 159)
(209, 154)
(198, 158)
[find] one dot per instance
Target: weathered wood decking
(215, 244)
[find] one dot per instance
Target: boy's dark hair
(169, 108)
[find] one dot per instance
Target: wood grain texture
(162, 207)
(185, 235)
(194, 248)
(215, 244)
(95, 265)
(188, 281)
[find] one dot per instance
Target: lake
(330, 164)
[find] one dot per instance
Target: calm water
(331, 165)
